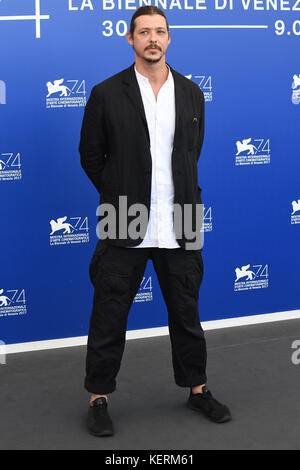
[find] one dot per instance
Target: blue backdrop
(246, 62)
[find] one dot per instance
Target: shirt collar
(145, 79)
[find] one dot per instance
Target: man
(141, 138)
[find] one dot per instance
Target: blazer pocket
(193, 131)
(109, 180)
(199, 193)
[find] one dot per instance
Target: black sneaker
(99, 421)
(208, 405)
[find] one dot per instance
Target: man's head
(149, 33)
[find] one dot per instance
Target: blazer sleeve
(92, 147)
(201, 125)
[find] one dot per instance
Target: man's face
(151, 38)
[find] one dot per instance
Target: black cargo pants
(116, 273)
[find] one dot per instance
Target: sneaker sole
(225, 418)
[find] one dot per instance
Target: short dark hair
(146, 10)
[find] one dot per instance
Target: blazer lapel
(132, 89)
(179, 103)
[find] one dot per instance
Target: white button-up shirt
(160, 115)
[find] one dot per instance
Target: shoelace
(208, 396)
(101, 406)
(100, 409)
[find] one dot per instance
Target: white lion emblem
(243, 272)
(57, 87)
(60, 225)
(244, 145)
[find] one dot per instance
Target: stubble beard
(151, 60)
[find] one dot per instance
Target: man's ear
(129, 38)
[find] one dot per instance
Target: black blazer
(115, 145)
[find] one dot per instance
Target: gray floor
(43, 404)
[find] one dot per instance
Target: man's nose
(153, 37)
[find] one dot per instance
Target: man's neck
(155, 72)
